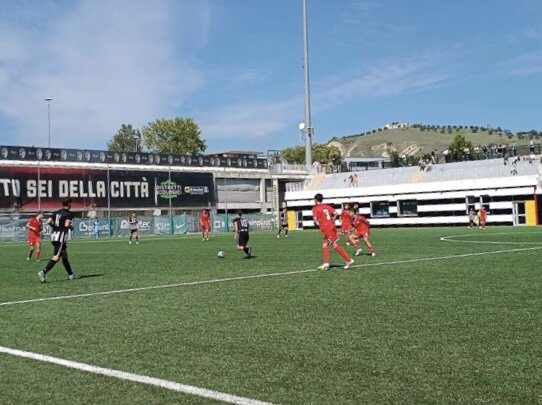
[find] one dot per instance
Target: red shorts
(206, 227)
(363, 234)
(33, 240)
(330, 235)
(346, 228)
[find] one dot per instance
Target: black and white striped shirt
(58, 223)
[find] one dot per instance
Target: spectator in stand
(446, 154)
(466, 153)
(421, 164)
(353, 180)
(514, 170)
(531, 145)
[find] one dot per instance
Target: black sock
(49, 266)
(245, 249)
(30, 254)
(67, 266)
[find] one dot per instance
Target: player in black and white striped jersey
(62, 222)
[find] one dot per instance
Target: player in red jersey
(324, 217)
(34, 236)
(482, 218)
(205, 225)
(362, 231)
(346, 222)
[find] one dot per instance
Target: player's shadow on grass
(92, 275)
(335, 267)
(249, 257)
(80, 277)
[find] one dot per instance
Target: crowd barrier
(14, 228)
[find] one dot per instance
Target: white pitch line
(258, 276)
(453, 239)
(449, 257)
(142, 379)
(155, 287)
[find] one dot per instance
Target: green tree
(320, 153)
(393, 153)
(294, 154)
(126, 139)
(179, 135)
(326, 154)
(459, 143)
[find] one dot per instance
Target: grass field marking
(453, 239)
(142, 379)
(257, 276)
(156, 287)
(424, 259)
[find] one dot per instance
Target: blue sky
(235, 66)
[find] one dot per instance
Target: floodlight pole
(308, 129)
(49, 99)
(227, 225)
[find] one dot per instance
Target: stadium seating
(476, 169)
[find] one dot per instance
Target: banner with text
(31, 188)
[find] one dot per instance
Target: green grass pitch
(425, 321)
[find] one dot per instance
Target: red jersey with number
(36, 224)
(323, 214)
(361, 224)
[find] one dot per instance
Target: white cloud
(254, 120)
(264, 119)
(103, 64)
(524, 65)
(109, 63)
(532, 33)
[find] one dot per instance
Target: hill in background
(417, 141)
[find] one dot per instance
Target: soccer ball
(221, 255)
